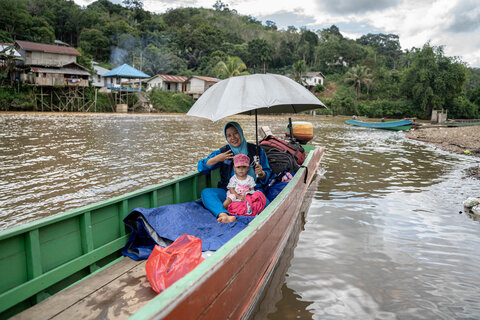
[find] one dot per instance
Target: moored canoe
(400, 125)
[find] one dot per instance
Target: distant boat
(462, 123)
(400, 125)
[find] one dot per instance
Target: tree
(385, 44)
(299, 69)
(433, 81)
(94, 43)
(162, 60)
(133, 4)
(259, 50)
(220, 6)
(14, 18)
(359, 75)
(270, 25)
(330, 33)
(306, 46)
(8, 61)
(41, 31)
(232, 67)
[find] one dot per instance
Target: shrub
(167, 101)
(319, 88)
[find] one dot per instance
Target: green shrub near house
(16, 98)
(167, 101)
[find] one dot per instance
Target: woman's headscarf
(242, 148)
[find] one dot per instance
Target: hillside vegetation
(370, 76)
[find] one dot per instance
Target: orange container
(302, 131)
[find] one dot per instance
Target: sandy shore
(464, 140)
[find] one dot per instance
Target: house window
(44, 75)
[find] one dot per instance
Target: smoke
(118, 56)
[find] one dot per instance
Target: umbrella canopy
(262, 93)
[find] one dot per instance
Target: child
(240, 183)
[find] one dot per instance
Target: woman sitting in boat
(213, 198)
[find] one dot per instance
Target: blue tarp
(154, 226)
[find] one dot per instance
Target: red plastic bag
(166, 265)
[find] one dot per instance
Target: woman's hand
(259, 171)
(220, 158)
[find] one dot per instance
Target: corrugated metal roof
(315, 74)
(126, 71)
(207, 78)
(172, 78)
(61, 71)
(42, 47)
(100, 70)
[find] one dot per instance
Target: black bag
(281, 161)
(292, 147)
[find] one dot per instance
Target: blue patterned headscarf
(242, 148)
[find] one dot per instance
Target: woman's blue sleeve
(202, 165)
(265, 166)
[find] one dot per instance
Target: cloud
(466, 17)
(355, 6)
(160, 6)
(452, 23)
(284, 19)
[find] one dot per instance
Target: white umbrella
(262, 93)
(252, 94)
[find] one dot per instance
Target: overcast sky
(454, 24)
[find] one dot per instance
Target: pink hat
(241, 160)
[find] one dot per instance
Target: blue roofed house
(123, 78)
(126, 79)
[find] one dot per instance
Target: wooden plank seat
(115, 292)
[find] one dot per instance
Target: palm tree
(234, 66)
(299, 69)
(359, 75)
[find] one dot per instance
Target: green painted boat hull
(400, 125)
(399, 128)
(43, 257)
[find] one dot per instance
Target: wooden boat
(69, 265)
(400, 125)
(462, 123)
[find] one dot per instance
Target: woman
(213, 198)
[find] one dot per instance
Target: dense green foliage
(370, 75)
(167, 101)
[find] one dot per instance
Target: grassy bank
(20, 97)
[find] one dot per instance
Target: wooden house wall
(48, 59)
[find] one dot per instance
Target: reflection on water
(383, 237)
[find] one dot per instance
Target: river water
(385, 236)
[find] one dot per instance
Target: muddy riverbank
(463, 140)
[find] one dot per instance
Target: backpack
(294, 148)
(280, 161)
